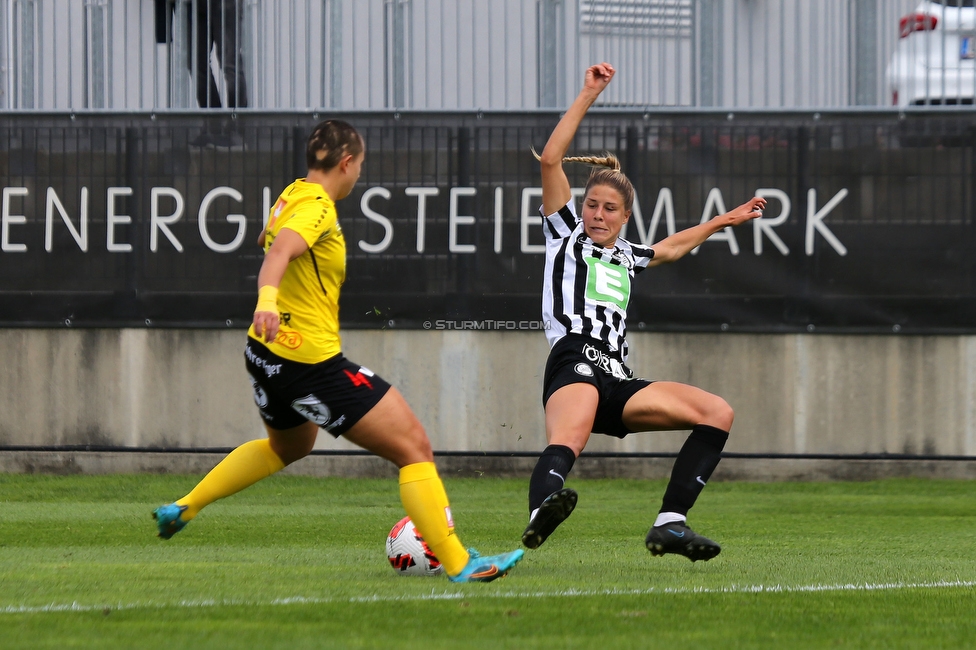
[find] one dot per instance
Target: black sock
(550, 473)
(694, 465)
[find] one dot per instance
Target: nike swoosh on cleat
(681, 534)
(486, 573)
(560, 476)
(698, 478)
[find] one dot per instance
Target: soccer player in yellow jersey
(301, 380)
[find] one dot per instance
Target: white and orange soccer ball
(408, 552)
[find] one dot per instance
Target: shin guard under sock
(425, 501)
(241, 468)
(694, 465)
(550, 474)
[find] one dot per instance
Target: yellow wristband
(267, 299)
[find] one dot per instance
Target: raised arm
(681, 243)
(555, 186)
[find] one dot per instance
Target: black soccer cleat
(677, 538)
(554, 510)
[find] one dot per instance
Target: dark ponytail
(329, 142)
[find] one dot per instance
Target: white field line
(467, 595)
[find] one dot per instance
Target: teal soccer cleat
(168, 519)
(486, 569)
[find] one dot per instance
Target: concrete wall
(480, 391)
(362, 465)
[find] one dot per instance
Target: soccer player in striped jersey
(301, 380)
(588, 387)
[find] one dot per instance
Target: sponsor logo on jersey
(260, 396)
(311, 408)
(604, 362)
(583, 369)
(607, 283)
(270, 369)
(279, 206)
(290, 339)
(623, 260)
(360, 378)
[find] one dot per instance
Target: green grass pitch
(296, 562)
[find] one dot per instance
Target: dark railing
(129, 219)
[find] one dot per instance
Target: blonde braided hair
(606, 171)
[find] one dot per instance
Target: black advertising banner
(152, 220)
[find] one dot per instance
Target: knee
(292, 450)
(422, 445)
(575, 441)
(414, 446)
(717, 413)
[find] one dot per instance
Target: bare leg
(569, 416)
(391, 430)
(569, 421)
(669, 406)
(293, 444)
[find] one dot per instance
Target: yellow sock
(425, 501)
(242, 467)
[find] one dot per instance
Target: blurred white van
(935, 59)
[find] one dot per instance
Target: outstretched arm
(681, 243)
(555, 186)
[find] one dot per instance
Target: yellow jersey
(308, 296)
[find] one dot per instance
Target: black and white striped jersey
(587, 287)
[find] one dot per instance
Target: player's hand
(266, 325)
(598, 76)
(751, 209)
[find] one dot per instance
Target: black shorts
(334, 394)
(578, 359)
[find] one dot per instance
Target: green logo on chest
(607, 282)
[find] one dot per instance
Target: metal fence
(453, 54)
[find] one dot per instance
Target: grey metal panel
(458, 54)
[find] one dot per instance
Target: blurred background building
(352, 55)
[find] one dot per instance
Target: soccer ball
(408, 552)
